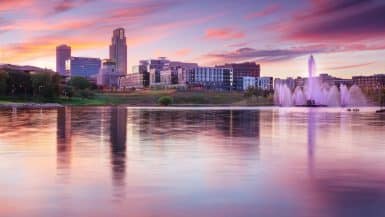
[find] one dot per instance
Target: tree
(68, 91)
(79, 83)
(45, 84)
(3, 82)
(18, 83)
(165, 100)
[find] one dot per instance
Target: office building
(249, 69)
(83, 66)
(264, 83)
(108, 76)
(248, 82)
(211, 78)
(163, 72)
(179, 71)
(118, 51)
(370, 83)
(154, 67)
(133, 81)
(63, 53)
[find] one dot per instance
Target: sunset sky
(347, 37)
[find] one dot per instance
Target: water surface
(115, 161)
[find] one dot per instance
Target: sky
(347, 37)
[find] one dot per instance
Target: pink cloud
(337, 21)
(6, 5)
(45, 46)
(268, 10)
(223, 34)
(182, 52)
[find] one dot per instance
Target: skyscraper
(118, 50)
(63, 53)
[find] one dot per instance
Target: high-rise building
(83, 66)
(63, 53)
(118, 50)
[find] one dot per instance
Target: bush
(86, 93)
(68, 91)
(165, 100)
(79, 83)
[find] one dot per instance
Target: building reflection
(118, 134)
(229, 123)
(63, 136)
(231, 129)
(238, 123)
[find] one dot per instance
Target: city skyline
(345, 35)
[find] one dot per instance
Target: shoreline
(33, 105)
(30, 105)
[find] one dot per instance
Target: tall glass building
(118, 50)
(83, 66)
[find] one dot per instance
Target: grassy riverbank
(151, 97)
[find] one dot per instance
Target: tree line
(42, 84)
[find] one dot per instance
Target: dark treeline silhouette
(17, 83)
(44, 84)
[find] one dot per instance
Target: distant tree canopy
(79, 83)
(42, 85)
(45, 84)
(3, 82)
(19, 83)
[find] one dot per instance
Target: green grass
(151, 97)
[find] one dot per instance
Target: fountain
(318, 94)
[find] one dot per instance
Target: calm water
(192, 162)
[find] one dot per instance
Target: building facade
(83, 66)
(163, 72)
(240, 70)
(370, 83)
(63, 53)
(248, 82)
(118, 50)
(264, 83)
(154, 67)
(211, 78)
(108, 76)
(131, 80)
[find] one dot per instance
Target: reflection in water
(64, 135)
(267, 162)
(118, 133)
(311, 136)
